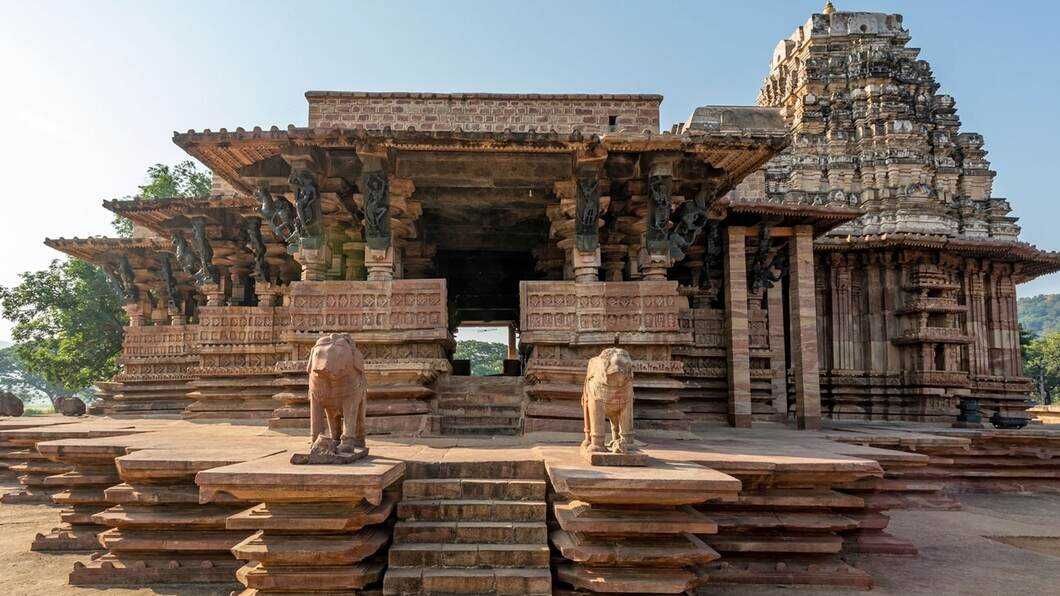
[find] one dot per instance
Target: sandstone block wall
(485, 112)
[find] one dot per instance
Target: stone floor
(995, 544)
(956, 555)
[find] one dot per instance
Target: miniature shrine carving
(337, 402)
(607, 401)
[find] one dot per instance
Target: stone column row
(802, 312)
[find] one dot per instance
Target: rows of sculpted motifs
(400, 327)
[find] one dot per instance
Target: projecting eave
(242, 156)
(791, 209)
(1030, 261)
(163, 215)
(101, 250)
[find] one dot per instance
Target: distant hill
(1040, 314)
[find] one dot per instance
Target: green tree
(487, 357)
(1040, 314)
(1041, 362)
(181, 180)
(15, 378)
(68, 323)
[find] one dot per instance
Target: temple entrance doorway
(484, 350)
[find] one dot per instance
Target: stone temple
(817, 292)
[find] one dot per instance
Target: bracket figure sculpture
(607, 400)
(337, 402)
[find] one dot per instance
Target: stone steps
(451, 532)
(457, 488)
(411, 581)
(471, 528)
(480, 406)
(471, 510)
(491, 556)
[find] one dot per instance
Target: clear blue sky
(93, 90)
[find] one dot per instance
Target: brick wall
(492, 112)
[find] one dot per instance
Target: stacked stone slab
(471, 528)
(157, 361)
(82, 494)
(479, 405)
(632, 530)
(39, 476)
(13, 454)
(972, 460)
(319, 529)
(157, 532)
(239, 349)
(792, 523)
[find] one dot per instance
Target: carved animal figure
(607, 398)
(337, 394)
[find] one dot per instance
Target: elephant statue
(607, 397)
(337, 401)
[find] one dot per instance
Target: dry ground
(994, 546)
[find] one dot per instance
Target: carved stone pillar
(585, 255)
(268, 294)
(512, 352)
(380, 263)
(586, 265)
(803, 316)
(215, 295)
(655, 256)
(613, 256)
(354, 252)
(739, 351)
(314, 262)
(777, 340)
(379, 249)
(176, 317)
(136, 314)
(238, 278)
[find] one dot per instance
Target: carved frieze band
(407, 304)
(601, 306)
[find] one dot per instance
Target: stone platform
(172, 501)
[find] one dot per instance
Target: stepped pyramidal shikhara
(789, 274)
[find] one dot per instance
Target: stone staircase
(480, 405)
(471, 528)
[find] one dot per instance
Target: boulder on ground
(70, 406)
(10, 405)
